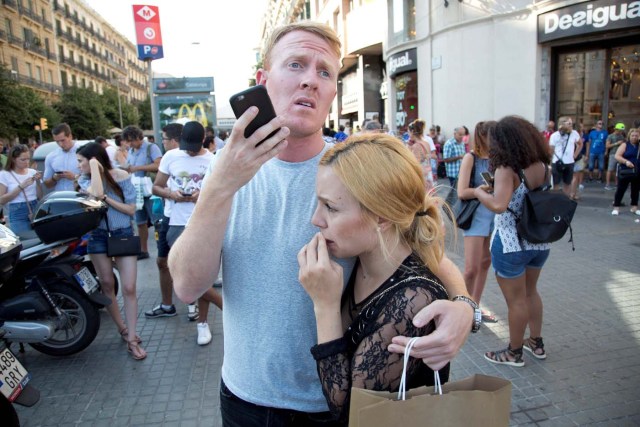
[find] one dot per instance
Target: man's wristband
(477, 314)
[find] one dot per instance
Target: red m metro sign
(148, 35)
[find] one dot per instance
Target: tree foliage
(83, 110)
(21, 109)
(130, 115)
(144, 113)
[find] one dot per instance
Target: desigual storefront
(594, 52)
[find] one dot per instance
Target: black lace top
(360, 358)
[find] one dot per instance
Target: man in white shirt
(61, 165)
(565, 145)
(179, 179)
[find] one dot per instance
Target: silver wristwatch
(477, 314)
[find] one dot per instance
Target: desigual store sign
(588, 18)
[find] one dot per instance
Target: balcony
(10, 3)
(30, 14)
(52, 56)
(14, 40)
(57, 7)
(35, 47)
(47, 25)
(3, 35)
(38, 84)
(68, 61)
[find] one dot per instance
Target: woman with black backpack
(516, 150)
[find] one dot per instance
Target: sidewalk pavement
(591, 330)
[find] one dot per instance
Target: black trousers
(240, 413)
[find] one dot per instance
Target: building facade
(49, 45)
(479, 60)
(459, 62)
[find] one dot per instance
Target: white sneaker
(192, 312)
(637, 212)
(580, 187)
(204, 334)
(615, 212)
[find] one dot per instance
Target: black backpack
(546, 215)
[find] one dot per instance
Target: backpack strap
(472, 178)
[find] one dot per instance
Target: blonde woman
(477, 256)
(372, 205)
(19, 189)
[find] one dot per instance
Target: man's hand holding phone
(243, 155)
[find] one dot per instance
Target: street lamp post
(119, 102)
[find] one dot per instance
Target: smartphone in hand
(487, 178)
(258, 96)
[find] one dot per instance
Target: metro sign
(148, 35)
(146, 13)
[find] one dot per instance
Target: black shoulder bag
(119, 246)
(464, 209)
(546, 215)
(627, 172)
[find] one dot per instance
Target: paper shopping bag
(479, 400)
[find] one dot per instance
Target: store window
(581, 86)
(402, 22)
(406, 109)
(599, 84)
(624, 89)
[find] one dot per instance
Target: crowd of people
(331, 244)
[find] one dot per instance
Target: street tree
(21, 109)
(130, 115)
(83, 110)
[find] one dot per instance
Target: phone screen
(488, 178)
(258, 96)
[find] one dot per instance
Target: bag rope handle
(403, 379)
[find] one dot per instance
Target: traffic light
(43, 123)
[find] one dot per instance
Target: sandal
(137, 352)
(124, 333)
(508, 356)
(535, 346)
(488, 317)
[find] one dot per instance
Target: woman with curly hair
(372, 205)
(520, 159)
(477, 256)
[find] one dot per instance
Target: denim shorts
(98, 239)
(592, 161)
(18, 213)
(514, 264)
(145, 215)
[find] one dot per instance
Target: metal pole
(154, 114)
(119, 104)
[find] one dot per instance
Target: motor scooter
(14, 378)
(51, 300)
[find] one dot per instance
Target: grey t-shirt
(268, 318)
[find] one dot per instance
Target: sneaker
(606, 187)
(192, 312)
(637, 212)
(580, 187)
(204, 334)
(143, 255)
(506, 357)
(615, 212)
(160, 311)
(218, 282)
(535, 346)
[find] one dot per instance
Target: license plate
(13, 376)
(86, 280)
